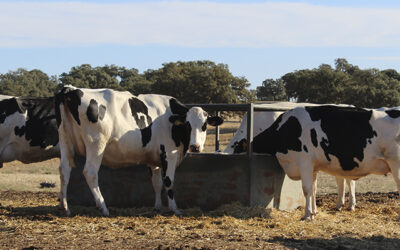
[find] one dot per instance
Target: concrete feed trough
(202, 180)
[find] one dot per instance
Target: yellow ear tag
(178, 122)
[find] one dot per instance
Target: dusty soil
(31, 220)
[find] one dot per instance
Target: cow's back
(126, 124)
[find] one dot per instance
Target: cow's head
(190, 126)
(240, 147)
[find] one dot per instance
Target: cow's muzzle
(194, 148)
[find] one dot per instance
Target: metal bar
(250, 123)
(236, 107)
(220, 107)
(217, 113)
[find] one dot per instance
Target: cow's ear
(215, 120)
(18, 104)
(177, 119)
(177, 107)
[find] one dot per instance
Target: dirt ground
(32, 220)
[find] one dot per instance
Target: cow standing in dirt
(118, 129)
(342, 141)
(262, 120)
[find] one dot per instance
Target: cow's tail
(61, 110)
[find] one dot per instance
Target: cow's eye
(204, 127)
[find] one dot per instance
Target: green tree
(199, 82)
(271, 90)
(346, 83)
(32, 83)
(85, 76)
(321, 85)
(134, 82)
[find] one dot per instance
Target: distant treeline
(208, 82)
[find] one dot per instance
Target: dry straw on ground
(33, 220)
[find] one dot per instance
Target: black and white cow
(28, 129)
(261, 121)
(342, 141)
(118, 129)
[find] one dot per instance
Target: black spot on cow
(164, 162)
(41, 127)
(140, 112)
(204, 127)
(19, 131)
(171, 194)
(71, 98)
(393, 113)
(95, 112)
(9, 107)
(146, 135)
(181, 134)
(348, 131)
(305, 148)
(177, 107)
(273, 140)
(167, 181)
(314, 139)
(324, 145)
(181, 129)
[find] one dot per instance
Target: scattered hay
(239, 211)
(29, 219)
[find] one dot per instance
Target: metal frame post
(250, 133)
(217, 113)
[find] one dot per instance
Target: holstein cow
(342, 141)
(118, 129)
(28, 129)
(263, 120)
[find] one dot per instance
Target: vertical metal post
(250, 123)
(217, 113)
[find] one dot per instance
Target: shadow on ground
(374, 242)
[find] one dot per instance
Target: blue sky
(257, 39)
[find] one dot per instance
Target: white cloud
(196, 24)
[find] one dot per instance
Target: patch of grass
(45, 167)
(28, 182)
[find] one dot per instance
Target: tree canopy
(27, 83)
(199, 82)
(208, 82)
(345, 83)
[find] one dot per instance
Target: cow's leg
(395, 169)
(65, 173)
(94, 157)
(157, 186)
(314, 195)
(341, 193)
(307, 183)
(352, 193)
(169, 162)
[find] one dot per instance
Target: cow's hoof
(157, 210)
(307, 217)
(105, 212)
(351, 208)
(338, 207)
(178, 213)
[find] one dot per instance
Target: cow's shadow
(32, 213)
(338, 242)
(49, 213)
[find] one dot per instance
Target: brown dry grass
(30, 219)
